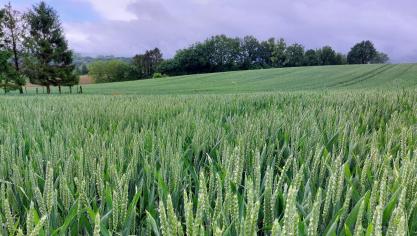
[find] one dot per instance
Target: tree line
(221, 53)
(82, 62)
(141, 66)
(33, 48)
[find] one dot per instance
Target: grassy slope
(286, 79)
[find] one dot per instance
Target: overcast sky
(127, 27)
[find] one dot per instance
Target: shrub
(158, 75)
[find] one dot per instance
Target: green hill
(283, 79)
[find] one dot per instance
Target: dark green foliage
(158, 75)
(170, 67)
(251, 53)
(341, 59)
(111, 71)
(9, 79)
(362, 53)
(278, 54)
(311, 58)
(294, 55)
(6, 71)
(192, 60)
(50, 60)
(380, 58)
(11, 37)
(221, 53)
(146, 64)
(327, 56)
(81, 62)
(266, 52)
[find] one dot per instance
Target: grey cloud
(172, 25)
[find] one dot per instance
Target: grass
(318, 159)
(272, 80)
(321, 78)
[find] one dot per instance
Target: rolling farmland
(360, 77)
(295, 151)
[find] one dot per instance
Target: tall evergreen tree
(50, 60)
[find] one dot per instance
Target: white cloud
(75, 36)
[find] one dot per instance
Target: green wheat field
(295, 151)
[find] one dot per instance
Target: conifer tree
(50, 60)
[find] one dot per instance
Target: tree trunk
(70, 87)
(20, 90)
(81, 89)
(5, 86)
(48, 89)
(59, 88)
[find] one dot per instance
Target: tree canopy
(362, 53)
(50, 60)
(222, 53)
(111, 71)
(380, 58)
(11, 38)
(311, 58)
(294, 55)
(146, 64)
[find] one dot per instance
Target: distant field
(285, 79)
(85, 79)
(267, 80)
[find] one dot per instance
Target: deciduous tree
(380, 58)
(327, 56)
(147, 64)
(294, 55)
(311, 58)
(362, 53)
(111, 71)
(12, 40)
(278, 55)
(250, 50)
